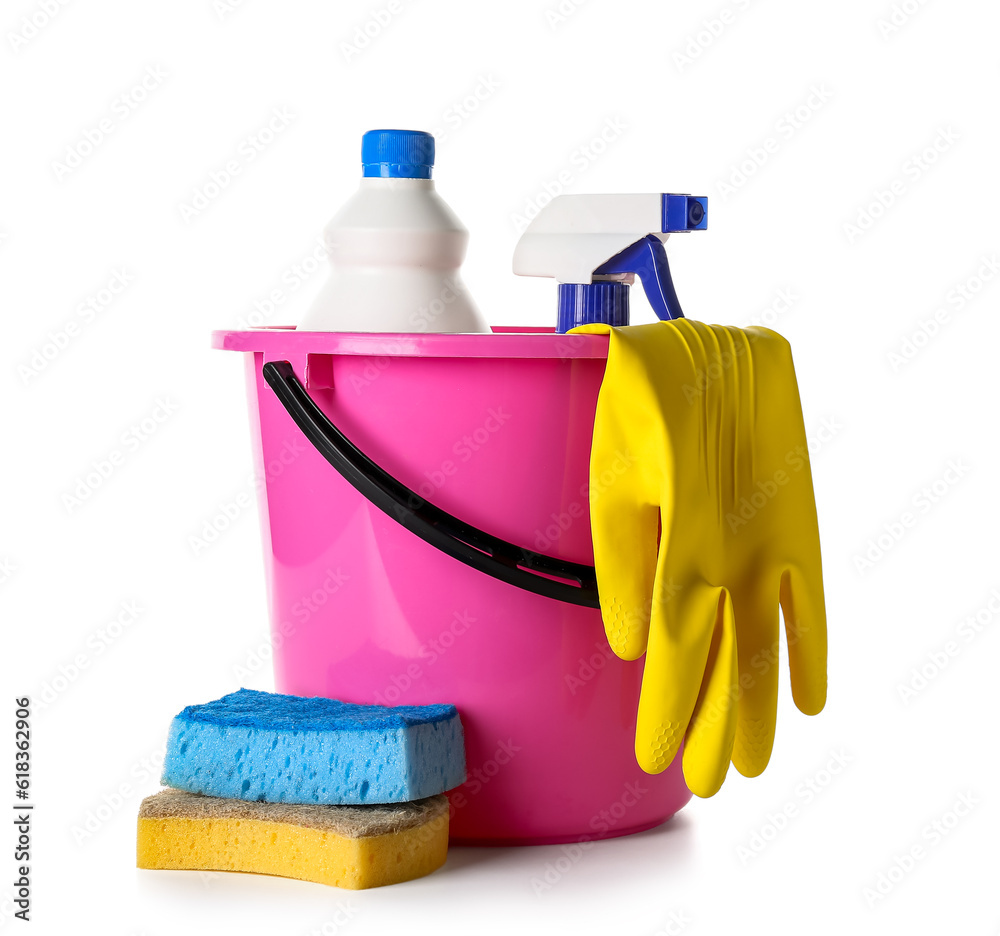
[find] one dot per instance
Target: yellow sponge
(347, 846)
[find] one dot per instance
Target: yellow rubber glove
(699, 437)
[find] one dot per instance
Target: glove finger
(680, 636)
(624, 511)
(804, 612)
(756, 612)
(625, 542)
(709, 743)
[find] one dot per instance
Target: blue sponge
(274, 748)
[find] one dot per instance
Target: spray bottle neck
(585, 303)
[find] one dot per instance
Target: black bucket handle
(489, 554)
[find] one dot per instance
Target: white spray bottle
(395, 248)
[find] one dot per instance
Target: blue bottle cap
(397, 154)
(587, 303)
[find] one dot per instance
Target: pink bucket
(380, 578)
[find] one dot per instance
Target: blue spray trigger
(647, 259)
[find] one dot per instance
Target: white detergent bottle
(395, 248)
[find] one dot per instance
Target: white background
(912, 106)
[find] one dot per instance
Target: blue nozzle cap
(397, 154)
(684, 213)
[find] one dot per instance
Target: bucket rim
(506, 341)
